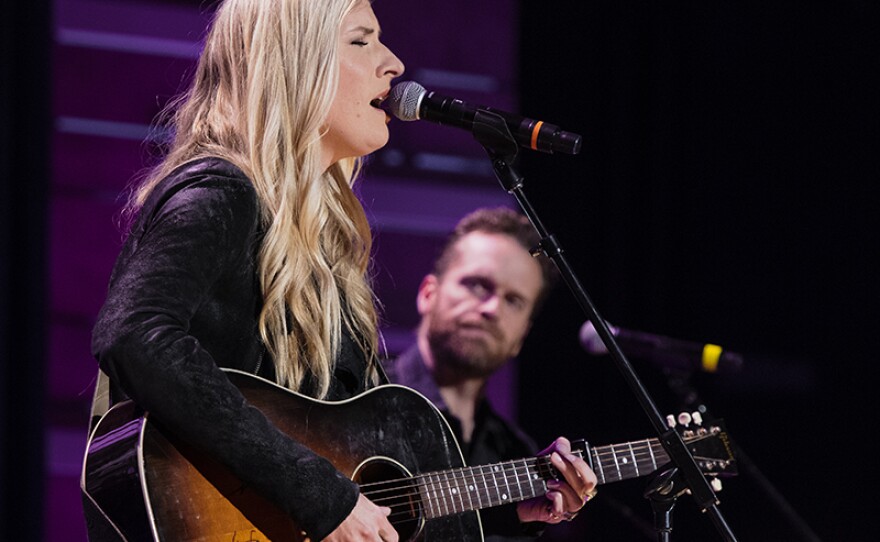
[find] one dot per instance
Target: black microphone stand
(491, 131)
(663, 491)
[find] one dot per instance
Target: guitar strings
(403, 505)
(405, 499)
(407, 507)
(442, 482)
(514, 472)
(542, 462)
(406, 504)
(601, 453)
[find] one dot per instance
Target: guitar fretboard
(617, 462)
(474, 488)
(484, 486)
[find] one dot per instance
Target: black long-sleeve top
(183, 302)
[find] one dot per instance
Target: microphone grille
(405, 99)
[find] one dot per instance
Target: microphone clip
(491, 131)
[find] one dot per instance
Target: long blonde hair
(260, 96)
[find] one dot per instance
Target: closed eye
(362, 34)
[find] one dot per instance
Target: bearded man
(476, 309)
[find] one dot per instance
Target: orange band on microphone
(535, 131)
(711, 355)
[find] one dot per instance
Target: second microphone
(663, 351)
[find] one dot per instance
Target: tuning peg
(684, 419)
(697, 417)
(670, 421)
(716, 484)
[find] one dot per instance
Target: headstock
(708, 442)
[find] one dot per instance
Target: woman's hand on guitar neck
(366, 522)
(564, 497)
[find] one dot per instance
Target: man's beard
(464, 356)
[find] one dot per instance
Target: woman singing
(249, 250)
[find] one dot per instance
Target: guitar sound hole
(386, 483)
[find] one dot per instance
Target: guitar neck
(474, 488)
(616, 462)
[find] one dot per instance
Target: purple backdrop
(117, 63)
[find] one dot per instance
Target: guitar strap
(100, 399)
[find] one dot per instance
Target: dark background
(725, 193)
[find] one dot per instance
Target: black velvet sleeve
(166, 276)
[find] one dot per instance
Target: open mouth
(378, 100)
(376, 103)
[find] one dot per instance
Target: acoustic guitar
(390, 440)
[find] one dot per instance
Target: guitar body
(153, 487)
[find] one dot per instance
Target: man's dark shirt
(493, 440)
